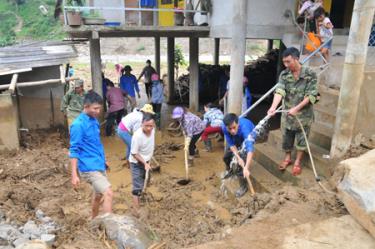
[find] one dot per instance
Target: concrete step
(321, 135)
(322, 165)
(269, 157)
(263, 180)
(328, 97)
(324, 116)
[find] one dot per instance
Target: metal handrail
(132, 9)
(317, 50)
(140, 10)
(274, 87)
(304, 34)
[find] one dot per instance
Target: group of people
(297, 87)
(319, 23)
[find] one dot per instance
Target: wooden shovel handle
(252, 191)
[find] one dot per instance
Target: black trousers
(111, 119)
(148, 86)
(192, 146)
(228, 156)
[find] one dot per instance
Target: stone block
(8, 232)
(49, 239)
(126, 231)
(32, 230)
(356, 188)
(20, 241)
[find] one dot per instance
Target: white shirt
(143, 145)
(133, 120)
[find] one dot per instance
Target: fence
(131, 16)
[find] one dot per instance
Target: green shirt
(72, 103)
(293, 92)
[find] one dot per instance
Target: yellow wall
(327, 5)
(167, 18)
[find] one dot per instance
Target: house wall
(265, 19)
(9, 139)
(39, 106)
(111, 15)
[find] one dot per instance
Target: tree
(179, 59)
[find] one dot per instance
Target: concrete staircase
(268, 155)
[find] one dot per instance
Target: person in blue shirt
(157, 97)
(87, 153)
(236, 132)
(129, 85)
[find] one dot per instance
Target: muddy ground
(37, 177)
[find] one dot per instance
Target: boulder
(126, 231)
(356, 188)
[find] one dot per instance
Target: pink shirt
(115, 99)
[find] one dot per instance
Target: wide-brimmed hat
(148, 109)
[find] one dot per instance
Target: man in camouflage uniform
(72, 102)
(298, 89)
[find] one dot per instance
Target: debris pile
(261, 74)
(13, 235)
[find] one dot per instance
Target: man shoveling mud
(238, 131)
(87, 153)
(142, 149)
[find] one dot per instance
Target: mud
(37, 177)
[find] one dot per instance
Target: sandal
(284, 164)
(297, 170)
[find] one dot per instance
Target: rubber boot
(190, 161)
(243, 187)
(196, 153)
(157, 117)
(208, 145)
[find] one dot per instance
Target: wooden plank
(13, 83)
(7, 71)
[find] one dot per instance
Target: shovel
(186, 180)
(146, 181)
(252, 191)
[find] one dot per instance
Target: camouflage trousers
(291, 137)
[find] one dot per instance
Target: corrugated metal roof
(35, 54)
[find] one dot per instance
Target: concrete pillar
(353, 76)
(217, 51)
(9, 139)
(194, 73)
(157, 55)
(170, 59)
(238, 45)
(280, 65)
(269, 45)
(96, 65)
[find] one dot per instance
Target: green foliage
(32, 23)
(141, 48)
(7, 35)
(179, 59)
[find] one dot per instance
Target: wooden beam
(13, 83)
(37, 83)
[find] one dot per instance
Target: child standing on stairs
(325, 33)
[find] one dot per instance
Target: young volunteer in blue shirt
(87, 153)
(236, 132)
